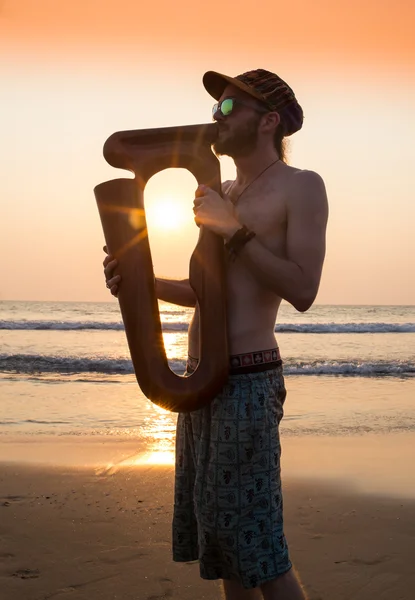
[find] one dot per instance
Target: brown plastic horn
(121, 208)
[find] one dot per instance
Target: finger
(107, 260)
(201, 190)
(109, 268)
(105, 249)
(113, 281)
(114, 290)
(197, 203)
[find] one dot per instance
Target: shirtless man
(228, 502)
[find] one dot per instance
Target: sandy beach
(91, 520)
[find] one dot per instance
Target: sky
(73, 73)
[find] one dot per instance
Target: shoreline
(369, 464)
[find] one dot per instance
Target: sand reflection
(158, 457)
(158, 433)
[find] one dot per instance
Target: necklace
(236, 200)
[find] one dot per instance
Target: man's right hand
(112, 281)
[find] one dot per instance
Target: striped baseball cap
(266, 87)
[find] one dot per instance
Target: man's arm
(296, 277)
(175, 292)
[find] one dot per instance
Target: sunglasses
(227, 106)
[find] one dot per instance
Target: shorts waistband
(249, 362)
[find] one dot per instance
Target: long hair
(280, 143)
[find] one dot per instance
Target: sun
(166, 213)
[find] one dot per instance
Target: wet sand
(103, 531)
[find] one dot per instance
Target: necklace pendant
(236, 200)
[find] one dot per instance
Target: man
(228, 503)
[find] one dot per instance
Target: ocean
(65, 370)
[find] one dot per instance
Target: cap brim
(215, 84)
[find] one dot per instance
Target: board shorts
(228, 507)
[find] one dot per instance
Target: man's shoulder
(302, 177)
(304, 185)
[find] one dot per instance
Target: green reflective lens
(226, 106)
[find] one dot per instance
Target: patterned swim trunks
(228, 509)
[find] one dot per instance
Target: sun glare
(165, 213)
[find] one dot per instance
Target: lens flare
(165, 213)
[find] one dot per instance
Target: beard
(239, 143)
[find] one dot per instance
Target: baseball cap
(266, 87)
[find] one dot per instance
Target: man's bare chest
(265, 214)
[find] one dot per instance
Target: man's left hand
(214, 212)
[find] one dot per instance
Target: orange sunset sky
(74, 72)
